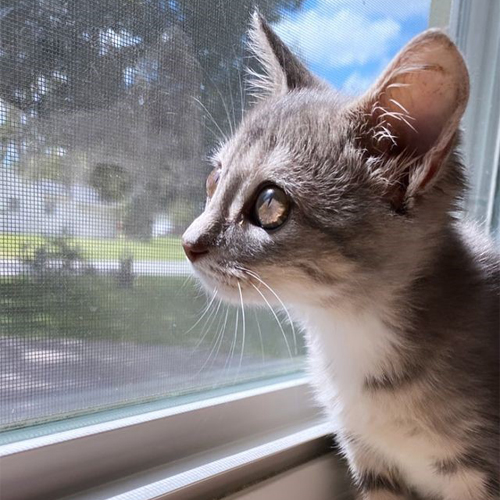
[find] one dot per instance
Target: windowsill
(219, 444)
(231, 468)
(323, 478)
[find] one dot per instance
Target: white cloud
(357, 83)
(339, 38)
(360, 80)
(395, 9)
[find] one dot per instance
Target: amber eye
(212, 181)
(271, 208)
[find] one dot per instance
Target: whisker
(260, 280)
(244, 328)
(233, 344)
(226, 109)
(204, 125)
(188, 278)
(204, 332)
(224, 136)
(238, 67)
(222, 335)
(210, 79)
(217, 336)
(260, 335)
(276, 318)
(204, 312)
(222, 10)
(231, 100)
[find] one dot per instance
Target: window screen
(107, 112)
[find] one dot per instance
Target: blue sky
(349, 42)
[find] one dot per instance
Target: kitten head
(325, 199)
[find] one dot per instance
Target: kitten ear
(415, 107)
(283, 71)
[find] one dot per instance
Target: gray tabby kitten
(347, 210)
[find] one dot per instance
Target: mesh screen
(107, 112)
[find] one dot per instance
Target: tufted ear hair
(414, 109)
(283, 71)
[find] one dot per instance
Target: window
(101, 311)
(477, 33)
(50, 206)
(108, 110)
(13, 205)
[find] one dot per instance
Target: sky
(349, 42)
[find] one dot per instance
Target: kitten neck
(356, 344)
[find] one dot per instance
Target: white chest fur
(344, 351)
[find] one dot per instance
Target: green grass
(157, 249)
(159, 310)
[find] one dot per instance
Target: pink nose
(194, 250)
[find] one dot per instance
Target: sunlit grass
(13, 246)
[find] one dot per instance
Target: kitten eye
(271, 208)
(212, 181)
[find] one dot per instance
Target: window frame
(286, 428)
(318, 479)
(475, 29)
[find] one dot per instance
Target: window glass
(107, 112)
(495, 209)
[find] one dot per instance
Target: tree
(145, 85)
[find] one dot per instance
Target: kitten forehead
(276, 143)
(283, 124)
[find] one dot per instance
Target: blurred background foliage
(141, 86)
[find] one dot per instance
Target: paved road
(14, 267)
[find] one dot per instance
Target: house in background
(51, 208)
(108, 166)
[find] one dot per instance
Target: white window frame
(255, 431)
(207, 447)
(475, 27)
(477, 31)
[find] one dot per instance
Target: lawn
(159, 310)
(156, 249)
